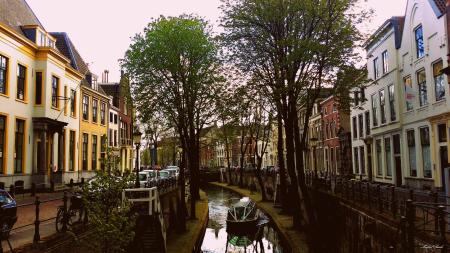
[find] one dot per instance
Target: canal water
(215, 240)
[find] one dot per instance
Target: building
(39, 96)
(335, 124)
(121, 122)
(400, 121)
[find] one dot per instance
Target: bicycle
(73, 215)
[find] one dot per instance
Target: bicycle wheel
(59, 220)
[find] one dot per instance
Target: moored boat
(242, 218)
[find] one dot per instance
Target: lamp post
(137, 141)
(313, 142)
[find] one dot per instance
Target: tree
(175, 69)
(294, 48)
(111, 219)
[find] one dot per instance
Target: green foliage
(111, 220)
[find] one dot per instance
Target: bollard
(37, 236)
(71, 183)
(442, 225)
(82, 181)
(369, 199)
(12, 190)
(403, 239)
(380, 204)
(64, 228)
(393, 202)
(33, 189)
(410, 216)
(411, 194)
(52, 186)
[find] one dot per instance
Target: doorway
(443, 157)
(397, 160)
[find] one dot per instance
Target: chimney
(105, 76)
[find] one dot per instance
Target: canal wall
(293, 240)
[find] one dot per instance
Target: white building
(39, 96)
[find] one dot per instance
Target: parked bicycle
(73, 215)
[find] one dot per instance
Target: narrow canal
(215, 240)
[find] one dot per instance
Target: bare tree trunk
(259, 178)
(182, 202)
(282, 169)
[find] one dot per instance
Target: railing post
(411, 194)
(33, 189)
(361, 198)
(65, 218)
(410, 216)
(404, 238)
(37, 236)
(393, 202)
(442, 225)
(12, 190)
(369, 199)
(380, 204)
(353, 190)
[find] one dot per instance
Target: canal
(215, 240)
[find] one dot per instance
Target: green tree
(111, 219)
(175, 69)
(294, 48)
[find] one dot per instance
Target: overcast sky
(101, 29)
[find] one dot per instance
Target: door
(443, 156)
(397, 160)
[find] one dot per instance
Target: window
(392, 102)
(85, 107)
(115, 138)
(426, 153)
(374, 110)
(115, 119)
(94, 152)
(2, 142)
(409, 93)
(354, 128)
(111, 117)
(361, 160)
(420, 48)
(21, 82)
(19, 146)
(3, 74)
(355, 159)
(367, 116)
(55, 91)
(439, 85)
(361, 125)
(85, 151)
(356, 97)
(376, 70)
(38, 89)
(411, 153)
(72, 151)
(421, 81)
(387, 151)
(94, 110)
(73, 102)
(65, 101)
(382, 107)
(102, 113)
(362, 94)
(385, 59)
(379, 158)
(442, 133)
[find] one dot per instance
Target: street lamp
(137, 142)
(313, 142)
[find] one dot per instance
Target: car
(8, 213)
(174, 170)
(143, 178)
(164, 174)
(152, 177)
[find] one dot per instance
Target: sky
(102, 29)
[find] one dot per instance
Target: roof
(66, 47)
(17, 13)
(438, 7)
(396, 23)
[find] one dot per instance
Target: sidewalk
(187, 242)
(294, 238)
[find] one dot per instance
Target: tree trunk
(227, 154)
(290, 159)
(182, 202)
(282, 169)
(260, 180)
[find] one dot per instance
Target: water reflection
(217, 239)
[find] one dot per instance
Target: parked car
(8, 213)
(174, 171)
(152, 177)
(164, 174)
(143, 178)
